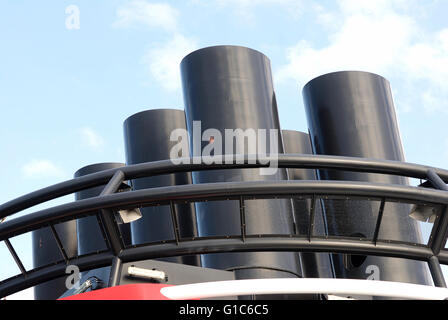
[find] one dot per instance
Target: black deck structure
(433, 252)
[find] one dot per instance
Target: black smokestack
(230, 87)
(352, 114)
(46, 251)
(147, 138)
(314, 265)
(90, 237)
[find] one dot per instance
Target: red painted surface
(141, 291)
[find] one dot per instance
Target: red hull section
(141, 291)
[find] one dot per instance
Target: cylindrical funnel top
(94, 168)
(97, 167)
(353, 104)
(229, 87)
(147, 134)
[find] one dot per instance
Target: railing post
(436, 272)
(242, 218)
(15, 256)
(107, 217)
(438, 241)
(115, 272)
(439, 234)
(379, 220)
(175, 222)
(312, 217)
(59, 243)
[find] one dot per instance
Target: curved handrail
(211, 191)
(166, 166)
(219, 245)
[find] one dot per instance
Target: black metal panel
(352, 114)
(147, 138)
(314, 265)
(90, 238)
(46, 251)
(230, 87)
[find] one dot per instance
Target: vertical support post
(107, 216)
(175, 222)
(438, 241)
(15, 256)
(103, 231)
(115, 272)
(59, 243)
(312, 216)
(379, 220)
(436, 272)
(243, 219)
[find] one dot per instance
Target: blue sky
(64, 94)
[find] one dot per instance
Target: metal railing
(117, 253)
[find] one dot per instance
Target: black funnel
(147, 138)
(352, 114)
(314, 265)
(90, 237)
(46, 251)
(230, 87)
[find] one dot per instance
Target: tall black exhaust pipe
(46, 251)
(314, 265)
(230, 87)
(78, 237)
(147, 138)
(90, 237)
(352, 114)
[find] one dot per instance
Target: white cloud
(162, 61)
(376, 36)
(324, 17)
(41, 169)
(369, 7)
(256, 3)
(152, 15)
(429, 59)
(363, 41)
(91, 138)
